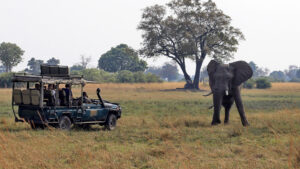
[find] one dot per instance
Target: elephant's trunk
(217, 98)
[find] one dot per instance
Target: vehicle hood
(111, 105)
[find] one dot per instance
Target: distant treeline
(99, 76)
(122, 64)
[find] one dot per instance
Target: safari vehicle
(34, 105)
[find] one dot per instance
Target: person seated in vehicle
(86, 98)
(69, 94)
(37, 87)
(50, 95)
(62, 97)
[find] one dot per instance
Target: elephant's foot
(245, 123)
(213, 123)
(226, 122)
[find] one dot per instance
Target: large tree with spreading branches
(193, 29)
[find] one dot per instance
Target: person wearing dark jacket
(69, 94)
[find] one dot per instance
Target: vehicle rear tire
(111, 122)
(65, 123)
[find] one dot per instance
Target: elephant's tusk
(208, 94)
(226, 92)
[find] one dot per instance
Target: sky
(66, 29)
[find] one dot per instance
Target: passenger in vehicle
(37, 87)
(50, 94)
(69, 94)
(62, 97)
(86, 98)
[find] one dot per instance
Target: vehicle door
(94, 112)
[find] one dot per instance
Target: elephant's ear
(211, 67)
(242, 72)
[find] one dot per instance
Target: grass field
(162, 128)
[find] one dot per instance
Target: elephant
(225, 82)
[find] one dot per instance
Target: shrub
(125, 76)
(152, 78)
(295, 80)
(249, 84)
(139, 77)
(5, 80)
(96, 75)
(263, 83)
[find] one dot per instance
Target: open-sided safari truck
(42, 107)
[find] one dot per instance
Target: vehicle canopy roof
(75, 80)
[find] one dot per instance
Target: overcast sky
(65, 29)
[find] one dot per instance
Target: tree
(120, 58)
(203, 74)
(278, 76)
(53, 61)
(262, 72)
(258, 71)
(84, 61)
(292, 72)
(154, 70)
(34, 66)
(298, 73)
(2, 69)
(194, 30)
(169, 71)
(10, 55)
(254, 68)
(76, 67)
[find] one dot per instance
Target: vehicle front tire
(111, 122)
(65, 123)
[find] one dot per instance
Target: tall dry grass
(161, 128)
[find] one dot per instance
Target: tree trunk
(189, 82)
(199, 63)
(6, 69)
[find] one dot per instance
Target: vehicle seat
(26, 96)
(17, 96)
(35, 97)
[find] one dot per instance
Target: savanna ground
(164, 129)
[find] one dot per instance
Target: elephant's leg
(240, 107)
(217, 98)
(227, 105)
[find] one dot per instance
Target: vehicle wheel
(111, 122)
(65, 123)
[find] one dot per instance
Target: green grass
(164, 129)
